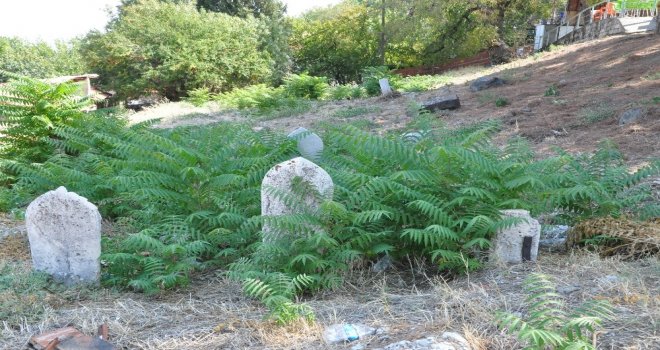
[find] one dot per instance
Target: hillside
(594, 83)
(571, 97)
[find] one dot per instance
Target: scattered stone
(484, 83)
(566, 290)
(310, 145)
(519, 242)
(448, 341)
(385, 88)
(631, 116)
(611, 278)
(553, 237)
(279, 181)
(383, 264)
(450, 101)
(358, 347)
(64, 230)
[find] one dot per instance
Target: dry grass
(406, 303)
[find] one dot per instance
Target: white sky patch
(52, 20)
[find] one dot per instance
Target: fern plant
(30, 110)
(549, 325)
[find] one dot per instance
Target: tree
(336, 42)
(243, 8)
(170, 49)
(40, 60)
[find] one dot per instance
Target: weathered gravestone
(484, 83)
(310, 145)
(279, 181)
(449, 101)
(385, 88)
(64, 230)
(520, 242)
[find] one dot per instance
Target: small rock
(484, 83)
(358, 347)
(631, 116)
(382, 264)
(611, 278)
(450, 101)
(553, 237)
(566, 290)
(412, 137)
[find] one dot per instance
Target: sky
(52, 20)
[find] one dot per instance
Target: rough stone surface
(385, 88)
(553, 237)
(279, 179)
(450, 101)
(484, 83)
(631, 116)
(448, 341)
(64, 230)
(310, 145)
(507, 245)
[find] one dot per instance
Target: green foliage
(601, 185)
(305, 86)
(29, 112)
(501, 102)
(596, 114)
(171, 49)
(20, 291)
(551, 91)
(549, 325)
(422, 82)
(337, 42)
(40, 60)
(344, 92)
(198, 97)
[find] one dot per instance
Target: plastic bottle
(346, 332)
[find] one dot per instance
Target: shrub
(422, 82)
(30, 110)
(305, 86)
(596, 114)
(199, 97)
(551, 91)
(172, 48)
(501, 102)
(39, 59)
(344, 92)
(549, 325)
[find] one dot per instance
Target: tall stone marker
(310, 145)
(520, 242)
(64, 230)
(279, 180)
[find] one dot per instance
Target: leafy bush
(344, 92)
(596, 114)
(40, 60)
(29, 112)
(305, 86)
(549, 325)
(371, 77)
(501, 102)
(199, 97)
(551, 91)
(171, 48)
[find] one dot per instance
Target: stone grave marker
(520, 242)
(310, 145)
(64, 230)
(280, 179)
